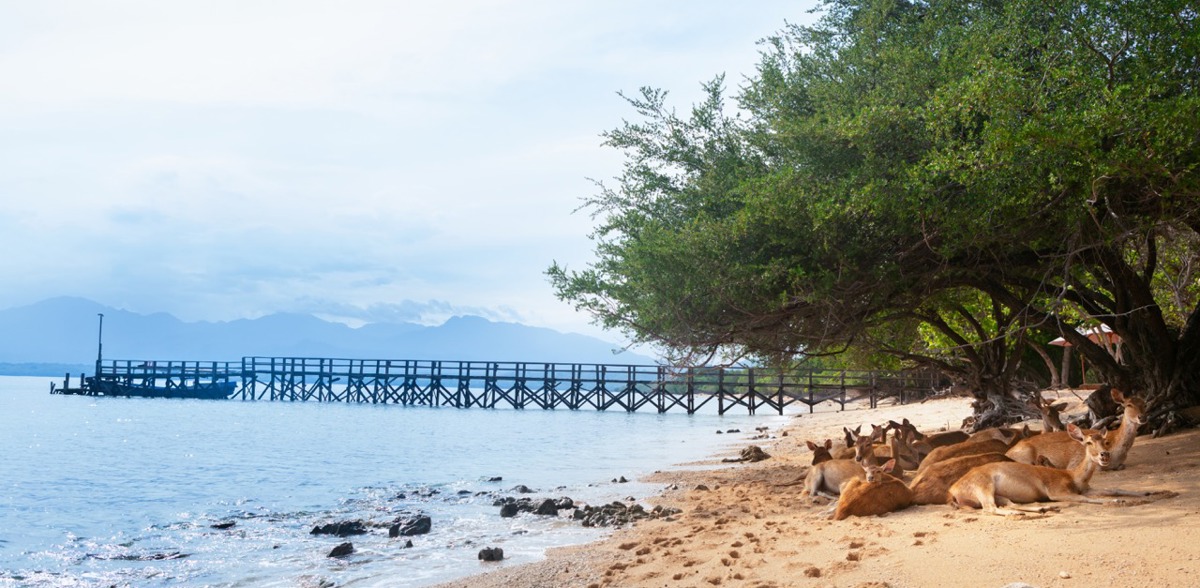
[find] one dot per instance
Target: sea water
(125, 491)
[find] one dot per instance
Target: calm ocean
(124, 491)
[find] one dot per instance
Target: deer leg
(1071, 497)
(1012, 508)
(1116, 492)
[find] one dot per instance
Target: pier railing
(524, 385)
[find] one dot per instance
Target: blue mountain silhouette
(64, 331)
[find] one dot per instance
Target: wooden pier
(509, 385)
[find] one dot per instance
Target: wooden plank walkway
(515, 385)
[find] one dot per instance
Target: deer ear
(890, 465)
(1118, 396)
(811, 446)
(828, 444)
(1074, 432)
(1061, 406)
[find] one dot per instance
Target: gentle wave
(120, 491)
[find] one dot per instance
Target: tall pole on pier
(99, 345)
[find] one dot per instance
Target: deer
(848, 451)
(1008, 435)
(875, 493)
(907, 457)
(1058, 450)
(932, 483)
(946, 438)
(826, 476)
(916, 442)
(1051, 419)
(872, 447)
(961, 450)
(820, 452)
(998, 487)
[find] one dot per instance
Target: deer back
(861, 498)
(948, 438)
(962, 449)
(1057, 450)
(932, 485)
(830, 475)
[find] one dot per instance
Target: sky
(363, 161)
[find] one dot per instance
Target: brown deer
(916, 442)
(1051, 419)
(961, 450)
(820, 452)
(947, 438)
(907, 458)
(825, 478)
(872, 447)
(932, 484)
(848, 451)
(1059, 450)
(875, 493)
(1008, 435)
(994, 486)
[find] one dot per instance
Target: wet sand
(748, 525)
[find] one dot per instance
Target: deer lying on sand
(872, 447)
(874, 494)
(916, 443)
(949, 452)
(1005, 484)
(1008, 435)
(1059, 450)
(1051, 419)
(820, 452)
(932, 484)
(825, 477)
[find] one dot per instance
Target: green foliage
(927, 180)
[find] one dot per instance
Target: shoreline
(746, 524)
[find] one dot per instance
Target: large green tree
(897, 156)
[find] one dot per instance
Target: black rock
(408, 544)
(509, 510)
(495, 479)
(342, 550)
(547, 507)
(491, 554)
(622, 480)
(223, 524)
(521, 489)
(418, 525)
(341, 529)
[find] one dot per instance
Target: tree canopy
(945, 181)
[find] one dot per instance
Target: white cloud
(218, 159)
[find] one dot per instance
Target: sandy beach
(747, 524)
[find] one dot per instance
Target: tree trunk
(1055, 382)
(1066, 367)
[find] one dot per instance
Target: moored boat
(204, 390)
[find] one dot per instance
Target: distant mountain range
(48, 336)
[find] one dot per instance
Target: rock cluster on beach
(619, 514)
(409, 523)
(614, 514)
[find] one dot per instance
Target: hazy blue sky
(358, 160)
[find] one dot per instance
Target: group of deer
(994, 469)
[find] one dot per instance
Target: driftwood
(752, 453)
(994, 412)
